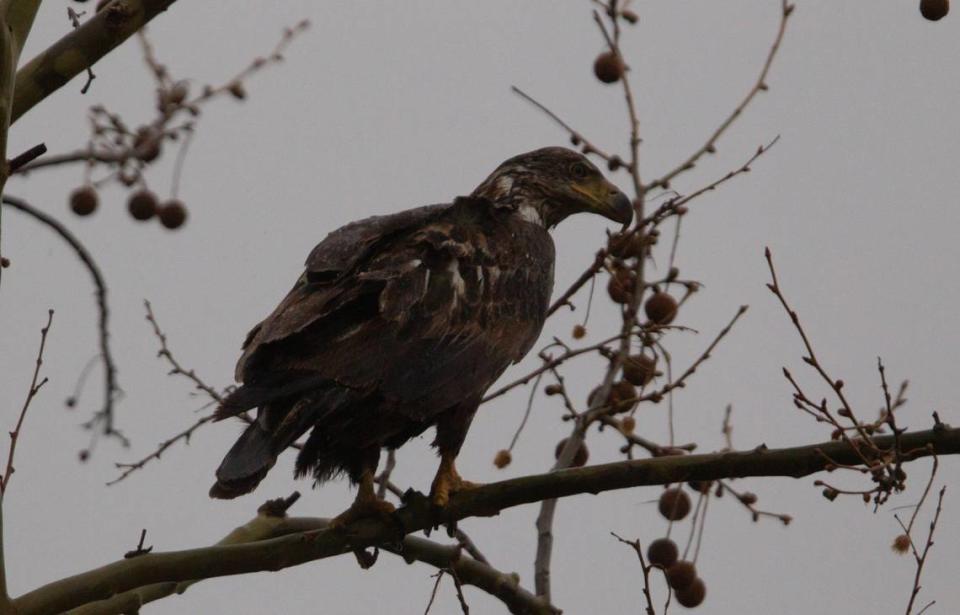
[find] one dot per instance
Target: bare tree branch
(31, 393)
(5, 604)
(419, 514)
(80, 49)
(759, 86)
(105, 414)
(503, 586)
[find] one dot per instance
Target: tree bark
(418, 514)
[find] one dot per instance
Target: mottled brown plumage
(402, 322)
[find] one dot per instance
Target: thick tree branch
(264, 526)
(16, 19)
(80, 49)
(417, 514)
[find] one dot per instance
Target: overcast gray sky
(383, 106)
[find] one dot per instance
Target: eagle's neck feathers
(511, 192)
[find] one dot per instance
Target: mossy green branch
(20, 15)
(80, 49)
(278, 553)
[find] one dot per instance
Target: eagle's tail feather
(265, 390)
(277, 427)
(245, 465)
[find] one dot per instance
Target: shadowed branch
(418, 514)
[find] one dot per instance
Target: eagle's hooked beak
(619, 208)
(607, 200)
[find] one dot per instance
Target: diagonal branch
(265, 526)
(80, 49)
(418, 514)
(759, 86)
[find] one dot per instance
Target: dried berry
(901, 544)
(629, 16)
(620, 286)
(83, 201)
(178, 93)
(142, 205)
(625, 245)
(628, 424)
(83, 455)
(674, 504)
(4, 262)
(663, 552)
(146, 143)
(692, 595)
(608, 67)
(579, 331)
(579, 458)
(502, 459)
(681, 574)
(237, 90)
(623, 396)
(748, 498)
(172, 214)
(553, 389)
(661, 308)
(639, 369)
(934, 10)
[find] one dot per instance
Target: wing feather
(425, 312)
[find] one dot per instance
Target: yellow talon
(365, 506)
(448, 482)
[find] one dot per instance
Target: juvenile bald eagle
(402, 322)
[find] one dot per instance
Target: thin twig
(759, 86)
(433, 594)
(130, 468)
(635, 545)
(459, 587)
(105, 414)
(175, 367)
(548, 365)
(31, 393)
(748, 500)
(526, 412)
(922, 558)
(26, 157)
(576, 137)
(74, 17)
(673, 205)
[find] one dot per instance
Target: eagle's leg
(448, 480)
(451, 431)
(366, 505)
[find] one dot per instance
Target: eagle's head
(549, 184)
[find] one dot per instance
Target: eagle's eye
(579, 170)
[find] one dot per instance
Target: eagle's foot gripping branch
(448, 482)
(366, 505)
